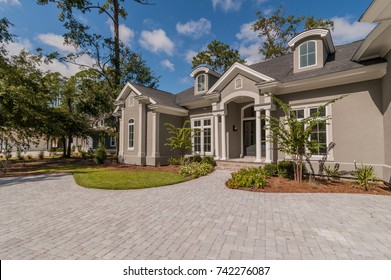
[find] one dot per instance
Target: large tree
(218, 56)
(112, 58)
(276, 30)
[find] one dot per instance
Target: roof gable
(236, 69)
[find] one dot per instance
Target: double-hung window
(202, 136)
(307, 54)
(131, 134)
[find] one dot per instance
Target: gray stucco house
(228, 108)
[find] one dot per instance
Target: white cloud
(65, 68)
(250, 53)
(14, 48)
(346, 31)
(167, 64)
(249, 45)
(126, 34)
(56, 41)
(156, 41)
(11, 2)
(189, 55)
(227, 5)
(195, 29)
(186, 81)
(246, 33)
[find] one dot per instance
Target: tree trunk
(69, 148)
(117, 69)
(64, 147)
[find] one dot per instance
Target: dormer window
(238, 83)
(201, 83)
(307, 53)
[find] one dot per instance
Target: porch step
(235, 165)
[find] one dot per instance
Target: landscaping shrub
(196, 169)
(100, 155)
(29, 156)
(209, 160)
(41, 154)
(248, 178)
(83, 154)
(195, 158)
(286, 169)
(271, 169)
(364, 175)
(332, 172)
(175, 161)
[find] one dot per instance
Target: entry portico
(237, 109)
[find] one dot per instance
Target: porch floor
(235, 164)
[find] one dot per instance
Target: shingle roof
(187, 96)
(161, 97)
(281, 68)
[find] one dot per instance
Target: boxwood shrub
(271, 169)
(248, 178)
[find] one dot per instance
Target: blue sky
(171, 31)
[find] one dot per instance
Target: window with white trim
(238, 83)
(113, 141)
(201, 83)
(131, 101)
(202, 138)
(131, 134)
(307, 54)
(320, 132)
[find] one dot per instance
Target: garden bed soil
(281, 185)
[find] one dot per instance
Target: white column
(258, 135)
(268, 144)
(216, 136)
(155, 135)
(223, 139)
(121, 136)
(141, 131)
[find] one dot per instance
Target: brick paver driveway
(50, 217)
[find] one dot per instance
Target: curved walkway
(50, 217)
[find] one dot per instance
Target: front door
(249, 137)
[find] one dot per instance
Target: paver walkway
(50, 217)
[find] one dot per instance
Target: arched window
(201, 83)
(307, 53)
(238, 83)
(131, 134)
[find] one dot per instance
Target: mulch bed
(281, 185)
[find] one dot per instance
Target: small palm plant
(332, 172)
(364, 175)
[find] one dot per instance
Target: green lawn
(99, 177)
(125, 180)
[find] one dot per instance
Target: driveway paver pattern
(50, 217)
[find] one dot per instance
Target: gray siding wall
(248, 85)
(131, 156)
(165, 151)
(387, 120)
(357, 122)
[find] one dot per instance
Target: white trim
(133, 124)
(216, 136)
(204, 69)
(323, 33)
(115, 141)
(169, 110)
(197, 82)
(241, 67)
(242, 119)
(374, 11)
(299, 55)
(202, 138)
(329, 126)
(237, 94)
(236, 83)
(131, 101)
